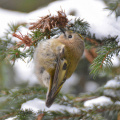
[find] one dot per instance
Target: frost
(37, 104)
(112, 93)
(117, 102)
(112, 84)
(112, 88)
(11, 118)
(98, 101)
(91, 86)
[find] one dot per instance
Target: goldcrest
(55, 61)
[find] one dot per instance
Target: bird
(55, 60)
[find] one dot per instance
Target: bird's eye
(70, 36)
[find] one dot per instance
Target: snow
(112, 93)
(93, 12)
(101, 101)
(91, 86)
(11, 118)
(117, 102)
(112, 84)
(25, 72)
(72, 81)
(109, 88)
(116, 60)
(8, 17)
(37, 104)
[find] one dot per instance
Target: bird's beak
(62, 30)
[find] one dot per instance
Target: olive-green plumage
(55, 61)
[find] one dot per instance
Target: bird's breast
(48, 52)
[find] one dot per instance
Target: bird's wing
(59, 77)
(60, 71)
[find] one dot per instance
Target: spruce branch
(15, 27)
(45, 28)
(85, 113)
(80, 26)
(105, 53)
(25, 115)
(15, 98)
(113, 6)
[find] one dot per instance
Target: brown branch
(40, 116)
(48, 22)
(7, 115)
(24, 40)
(93, 41)
(104, 59)
(67, 117)
(90, 54)
(118, 117)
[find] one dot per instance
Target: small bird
(55, 60)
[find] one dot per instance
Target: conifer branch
(88, 113)
(7, 115)
(105, 54)
(16, 98)
(113, 6)
(45, 28)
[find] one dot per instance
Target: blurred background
(22, 73)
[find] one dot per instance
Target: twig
(48, 22)
(7, 115)
(40, 116)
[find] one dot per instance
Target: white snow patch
(8, 17)
(112, 84)
(98, 101)
(71, 18)
(91, 86)
(72, 81)
(11, 118)
(116, 61)
(117, 102)
(37, 104)
(25, 72)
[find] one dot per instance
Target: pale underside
(45, 57)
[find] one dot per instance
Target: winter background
(101, 23)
